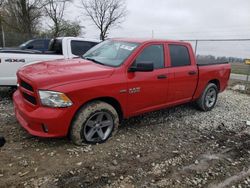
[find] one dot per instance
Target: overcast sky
(181, 19)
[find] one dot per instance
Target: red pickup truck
(86, 98)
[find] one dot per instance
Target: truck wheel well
(216, 82)
(113, 102)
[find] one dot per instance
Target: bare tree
(105, 14)
(1, 2)
(22, 16)
(1, 24)
(1, 10)
(67, 28)
(55, 10)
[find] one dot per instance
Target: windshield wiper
(94, 60)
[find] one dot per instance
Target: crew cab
(86, 98)
(59, 48)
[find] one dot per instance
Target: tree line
(203, 59)
(21, 20)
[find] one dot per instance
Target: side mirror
(142, 67)
(30, 47)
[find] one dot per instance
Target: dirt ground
(233, 83)
(177, 147)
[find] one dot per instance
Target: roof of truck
(80, 38)
(146, 40)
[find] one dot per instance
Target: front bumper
(42, 121)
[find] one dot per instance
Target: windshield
(110, 52)
(25, 43)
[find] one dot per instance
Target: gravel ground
(177, 147)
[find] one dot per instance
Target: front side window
(110, 52)
(179, 55)
(153, 54)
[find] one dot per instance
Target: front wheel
(95, 123)
(208, 98)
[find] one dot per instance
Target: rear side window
(80, 47)
(154, 54)
(55, 46)
(179, 55)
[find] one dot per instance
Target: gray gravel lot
(177, 147)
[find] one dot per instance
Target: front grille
(29, 98)
(26, 85)
(27, 91)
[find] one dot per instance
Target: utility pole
(196, 45)
(248, 73)
(3, 35)
(2, 30)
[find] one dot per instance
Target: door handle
(162, 76)
(192, 72)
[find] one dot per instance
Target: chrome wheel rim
(98, 127)
(210, 97)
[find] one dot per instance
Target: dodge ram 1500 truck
(86, 98)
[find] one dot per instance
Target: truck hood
(49, 74)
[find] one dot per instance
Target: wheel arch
(110, 100)
(113, 102)
(216, 82)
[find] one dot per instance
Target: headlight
(54, 99)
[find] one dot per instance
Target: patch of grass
(240, 68)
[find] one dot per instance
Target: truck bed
(20, 51)
(216, 63)
(219, 73)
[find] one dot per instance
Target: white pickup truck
(59, 48)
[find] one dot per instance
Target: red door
(182, 75)
(148, 90)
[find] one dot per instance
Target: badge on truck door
(15, 60)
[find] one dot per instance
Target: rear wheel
(208, 98)
(96, 122)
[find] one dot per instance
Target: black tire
(12, 90)
(2, 141)
(203, 102)
(86, 128)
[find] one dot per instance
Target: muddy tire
(208, 99)
(94, 123)
(12, 90)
